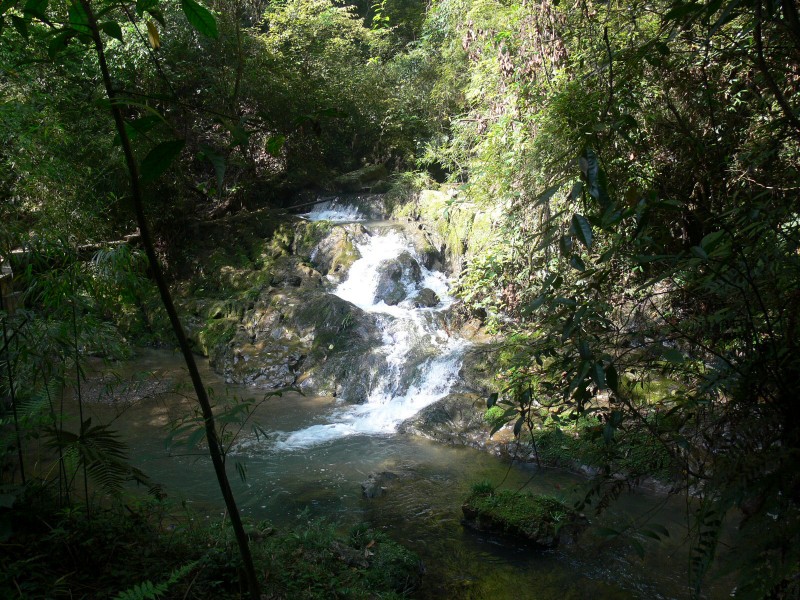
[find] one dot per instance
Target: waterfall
(335, 211)
(423, 359)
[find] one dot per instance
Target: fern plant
(148, 590)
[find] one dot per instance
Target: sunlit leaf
(153, 36)
(5, 5)
(200, 18)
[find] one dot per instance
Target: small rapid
(422, 356)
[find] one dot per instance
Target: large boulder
(301, 335)
(456, 419)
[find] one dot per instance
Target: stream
(312, 453)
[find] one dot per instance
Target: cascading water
(422, 358)
(334, 210)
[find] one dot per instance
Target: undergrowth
(155, 548)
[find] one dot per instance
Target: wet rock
(377, 484)
(456, 419)
(394, 276)
(426, 298)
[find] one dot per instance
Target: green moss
(534, 516)
(216, 332)
(307, 234)
(495, 416)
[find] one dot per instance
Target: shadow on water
(422, 507)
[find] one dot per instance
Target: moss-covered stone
(542, 520)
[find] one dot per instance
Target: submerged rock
(377, 484)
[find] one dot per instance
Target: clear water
(313, 453)
(422, 510)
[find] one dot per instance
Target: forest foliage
(639, 161)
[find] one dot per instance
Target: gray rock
(426, 298)
(394, 275)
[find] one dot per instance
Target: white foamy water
(422, 358)
(333, 210)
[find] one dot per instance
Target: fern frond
(150, 591)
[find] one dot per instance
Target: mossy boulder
(331, 249)
(542, 520)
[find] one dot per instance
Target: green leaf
(274, 144)
(59, 43)
(491, 400)
(241, 468)
(638, 548)
(681, 10)
(518, 426)
(217, 161)
(36, 8)
(20, 24)
(599, 375)
(577, 263)
(699, 252)
(582, 230)
(612, 378)
(78, 19)
(145, 5)
(200, 18)
(565, 245)
(607, 532)
(112, 29)
(159, 159)
(709, 242)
